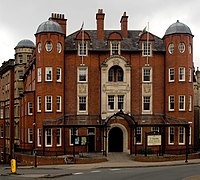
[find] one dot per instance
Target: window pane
(111, 102)
(82, 103)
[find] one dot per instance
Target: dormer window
(146, 49)
(82, 48)
(115, 48)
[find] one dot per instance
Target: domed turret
(25, 43)
(50, 26)
(178, 28)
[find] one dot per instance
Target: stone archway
(119, 133)
(115, 140)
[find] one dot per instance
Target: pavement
(115, 160)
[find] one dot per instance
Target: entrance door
(91, 143)
(115, 140)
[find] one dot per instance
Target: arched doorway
(115, 140)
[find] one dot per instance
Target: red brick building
(108, 90)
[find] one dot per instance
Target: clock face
(59, 47)
(39, 47)
(49, 46)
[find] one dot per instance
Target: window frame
(59, 74)
(120, 102)
(111, 103)
(58, 104)
(48, 74)
(30, 135)
(181, 102)
(46, 103)
(170, 102)
(138, 140)
(171, 75)
(82, 73)
(47, 135)
(171, 135)
(181, 74)
(146, 76)
(39, 104)
(190, 103)
(39, 74)
(115, 48)
(58, 138)
(146, 49)
(71, 135)
(181, 132)
(82, 101)
(82, 48)
(30, 108)
(190, 75)
(39, 137)
(144, 98)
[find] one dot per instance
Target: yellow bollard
(13, 166)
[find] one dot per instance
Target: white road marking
(114, 169)
(95, 171)
(77, 173)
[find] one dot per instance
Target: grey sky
(19, 19)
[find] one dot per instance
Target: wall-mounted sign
(154, 140)
(81, 140)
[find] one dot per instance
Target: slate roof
(131, 43)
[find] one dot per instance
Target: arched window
(115, 74)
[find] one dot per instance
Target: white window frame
(82, 100)
(48, 74)
(190, 74)
(190, 103)
(181, 99)
(48, 99)
(111, 99)
(144, 100)
(48, 133)
(171, 131)
(58, 135)
(171, 74)
(171, 101)
(58, 103)
(1, 113)
(146, 48)
(58, 74)
(30, 135)
(146, 72)
(82, 74)
(21, 74)
(39, 73)
(39, 137)
(71, 134)
(30, 108)
(181, 132)
(115, 48)
(181, 74)
(39, 104)
(120, 102)
(82, 48)
(138, 132)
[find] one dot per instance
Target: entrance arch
(115, 140)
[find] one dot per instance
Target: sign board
(154, 140)
(13, 166)
(81, 140)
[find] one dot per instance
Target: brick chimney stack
(60, 19)
(100, 24)
(124, 25)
